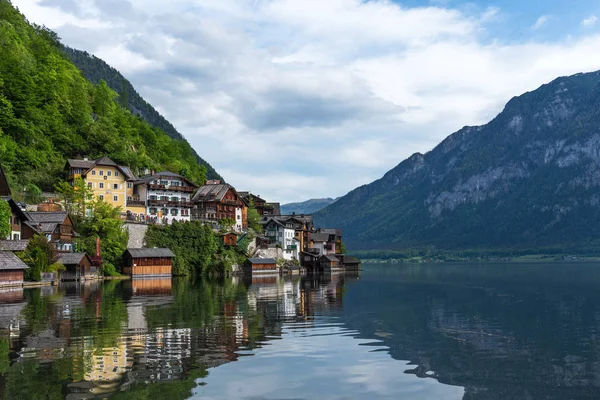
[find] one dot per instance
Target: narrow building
(148, 262)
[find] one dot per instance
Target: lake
(396, 331)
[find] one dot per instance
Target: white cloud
(541, 21)
(295, 99)
(589, 22)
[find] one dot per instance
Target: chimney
(98, 247)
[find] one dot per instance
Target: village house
(329, 263)
(283, 234)
(108, 181)
(302, 225)
(12, 269)
(321, 242)
(56, 226)
(249, 198)
(148, 262)
(165, 197)
(78, 267)
(272, 209)
(229, 239)
(216, 201)
(255, 266)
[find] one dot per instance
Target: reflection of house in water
(12, 303)
(107, 366)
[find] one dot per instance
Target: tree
(5, 214)
(104, 222)
(40, 256)
(77, 198)
(227, 223)
(253, 216)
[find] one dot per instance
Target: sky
(299, 99)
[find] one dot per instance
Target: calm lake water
(395, 332)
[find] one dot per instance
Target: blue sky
(296, 99)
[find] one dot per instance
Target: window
(101, 197)
(115, 186)
(129, 198)
(129, 185)
(101, 185)
(153, 211)
(90, 185)
(174, 211)
(116, 173)
(94, 172)
(115, 198)
(17, 236)
(101, 172)
(108, 173)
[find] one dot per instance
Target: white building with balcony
(166, 196)
(284, 235)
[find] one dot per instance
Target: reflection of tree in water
(500, 334)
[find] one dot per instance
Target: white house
(167, 196)
(284, 235)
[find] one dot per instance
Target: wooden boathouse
(12, 269)
(78, 267)
(254, 266)
(148, 262)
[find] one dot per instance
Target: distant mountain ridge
(95, 69)
(529, 178)
(306, 207)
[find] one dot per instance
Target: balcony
(158, 203)
(184, 189)
(153, 186)
(136, 203)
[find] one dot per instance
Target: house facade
(284, 235)
(257, 266)
(56, 226)
(214, 202)
(12, 269)
(108, 181)
(78, 267)
(148, 262)
(164, 197)
(259, 204)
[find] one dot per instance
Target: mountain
(530, 178)
(49, 112)
(306, 207)
(96, 70)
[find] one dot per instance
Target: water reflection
(411, 332)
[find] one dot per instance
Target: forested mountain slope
(306, 207)
(529, 178)
(49, 112)
(96, 70)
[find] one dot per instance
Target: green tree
(104, 222)
(227, 224)
(77, 198)
(40, 256)
(253, 216)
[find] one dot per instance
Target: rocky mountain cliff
(529, 178)
(306, 207)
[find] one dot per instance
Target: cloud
(589, 22)
(296, 99)
(541, 21)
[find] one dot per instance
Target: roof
(351, 260)
(212, 192)
(150, 253)
(168, 174)
(71, 258)
(47, 217)
(331, 258)
(8, 261)
(128, 173)
(87, 165)
(4, 188)
(320, 237)
(248, 194)
(13, 245)
(45, 227)
(262, 261)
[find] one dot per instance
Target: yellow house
(109, 182)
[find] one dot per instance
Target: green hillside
(96, 70)
(50, 112)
